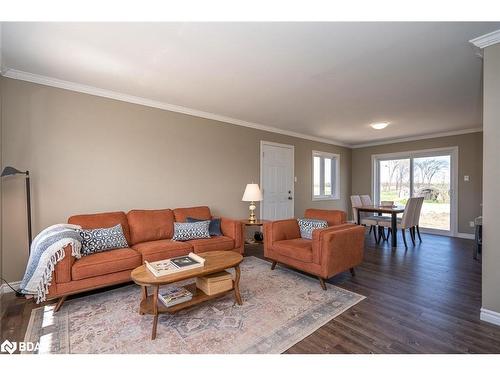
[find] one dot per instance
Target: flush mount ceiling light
(379, 125)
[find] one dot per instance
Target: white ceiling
(327, 80)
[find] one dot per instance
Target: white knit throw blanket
(47, 249)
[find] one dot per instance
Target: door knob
(290, 198)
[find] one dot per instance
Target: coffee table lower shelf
(147, 304)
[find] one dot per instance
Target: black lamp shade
(9, 171)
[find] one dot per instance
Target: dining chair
(366, 200)
(409, 220)
(416, 218)
(365, 219)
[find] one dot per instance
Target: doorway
(432, 174)
(276, 180)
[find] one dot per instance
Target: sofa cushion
(308, 225)
(213, 228)
(191, 231)
(332, 217)
(210, 244)
(162, 249)
(150, 225)
(297, 248)
(105, 263)
(200, 212)
(102, 239)
(102, 220)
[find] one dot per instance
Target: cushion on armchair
(308, 225)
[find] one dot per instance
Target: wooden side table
(258, 223)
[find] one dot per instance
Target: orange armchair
(332, 250)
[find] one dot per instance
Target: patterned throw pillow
(308, 225)
(213, 228)
(191, 231)
(102, 239)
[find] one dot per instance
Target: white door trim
(261, 157)
(453, 151)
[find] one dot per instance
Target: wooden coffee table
(215, 261)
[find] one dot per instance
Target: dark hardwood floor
(425, 299)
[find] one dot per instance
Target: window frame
(335, 174)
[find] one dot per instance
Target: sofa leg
(273, 266)
(322, 283)
(353, 272)
(59, 303)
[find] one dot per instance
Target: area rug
(280, 308)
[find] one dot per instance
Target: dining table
(379, 209)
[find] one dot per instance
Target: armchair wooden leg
(418, 233)
(273, 266)
(403, 232)
(59, 303)
(353, 271)
(322, 283)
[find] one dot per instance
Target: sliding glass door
(432, 180)
(394, 180)
(429, 173)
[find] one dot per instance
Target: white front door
(277, 162)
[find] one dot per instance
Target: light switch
(466, 178)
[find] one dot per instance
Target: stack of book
(174, 296)
(168, 266)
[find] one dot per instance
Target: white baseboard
(490, 316)
(4, 288)
(469, 236)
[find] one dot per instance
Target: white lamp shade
(252, 193)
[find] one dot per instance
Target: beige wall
(89, 154)
(469, 163)
(491, 181)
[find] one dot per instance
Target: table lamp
(252, 194)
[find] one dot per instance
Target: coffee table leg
(237, 295)
(144, 297)
(155, 311)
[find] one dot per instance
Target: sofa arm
(340, 248)
(233, 229)
(62, 270)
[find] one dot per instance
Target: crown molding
(91, 90)
(418, 137)
(486, 40)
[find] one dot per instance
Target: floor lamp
(10, 171)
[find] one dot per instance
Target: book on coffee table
(187, 262)
(177, 264)
(174, 296)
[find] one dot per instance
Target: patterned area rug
(280, 308)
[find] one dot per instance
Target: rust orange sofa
(332, 250)
(149, 235)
